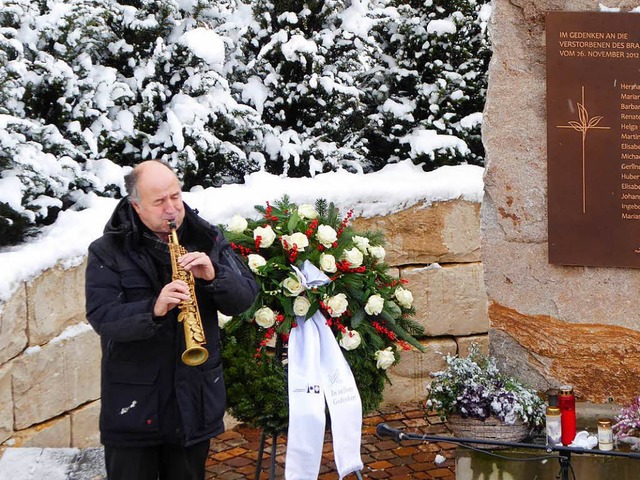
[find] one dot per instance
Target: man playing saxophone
(158, 412)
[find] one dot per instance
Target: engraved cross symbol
(583, 125)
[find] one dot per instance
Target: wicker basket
(491, 428)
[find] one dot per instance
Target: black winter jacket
(149, 396)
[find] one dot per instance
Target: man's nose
(170, 207)
(173, 206)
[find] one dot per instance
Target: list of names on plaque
(630, 150)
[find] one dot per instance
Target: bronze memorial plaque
(593, 138)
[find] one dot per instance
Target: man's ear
(136, 206)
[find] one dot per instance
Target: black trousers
(162, 462)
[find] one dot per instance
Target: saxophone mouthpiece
(172, 224)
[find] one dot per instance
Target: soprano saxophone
(189, 316)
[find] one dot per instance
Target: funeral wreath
(474, 387)
(368, 309)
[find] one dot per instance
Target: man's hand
(170, 296)
(199, 264)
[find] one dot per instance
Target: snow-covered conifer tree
(303, 62)
(88, 85)
(222, 89)
(435, 62)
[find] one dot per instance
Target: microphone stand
(564, 453)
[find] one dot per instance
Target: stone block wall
(436, 247)
(50, 356)
(49, 364)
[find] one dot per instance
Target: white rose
(404, 297)
(354, 257)
(377, 252)
(292, 286)
(326, 235)
(328, 263)
(237, 224)
(301, 306)
(362, 243)
(223, 319)
(255, 261)
(337, 304)
(384, 358)
(298, 239)
(374, 305)
(307, 211)
(350, 339)
(266, 234)
(265, 317)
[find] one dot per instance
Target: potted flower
(627, 424)
(478, 401)
(368, 309)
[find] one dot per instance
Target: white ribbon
(318, 370)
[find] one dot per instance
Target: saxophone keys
(199, 338)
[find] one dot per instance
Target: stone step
(516, 464)
(522, 466)
(52, 464)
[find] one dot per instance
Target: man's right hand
(170, 296)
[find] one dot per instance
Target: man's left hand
(199, 264)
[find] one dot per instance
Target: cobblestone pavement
(234, 454)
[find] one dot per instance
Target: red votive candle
(567, 404)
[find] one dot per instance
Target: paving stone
(441, 473)
(383, 455)
(234, 454)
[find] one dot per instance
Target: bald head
(156, 195)
(132, 178)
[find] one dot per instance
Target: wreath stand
(274, 436)
(272, 466)
(274, 445)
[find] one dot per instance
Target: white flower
(307, 211)
(265, 317)
(328, 263)
(350, 339)
(301, 306)
(384, 358)
(255, 261)
(374, 305)
(237, 224)
(298, 239)
(377, 252)
(354, 257)
(362, 243)
(266, 234)
(337, 304)
(223, 319)
(404, 297)
(292, 286)
(326, 235)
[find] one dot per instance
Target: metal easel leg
(274, 448)
(358, 476)
(260, 455)
(263, 437)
